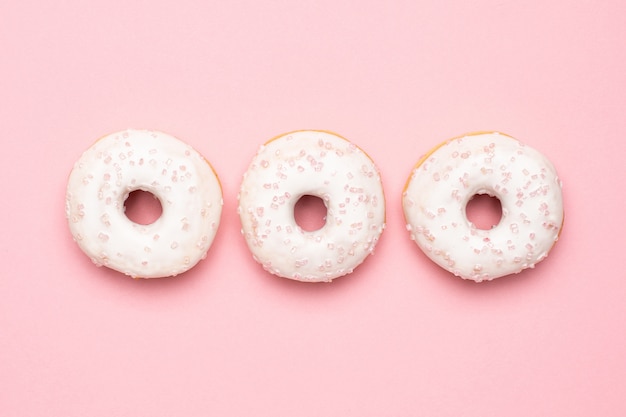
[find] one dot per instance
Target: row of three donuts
(303, 163)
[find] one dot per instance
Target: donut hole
(142, 207)
(310, 213)
(484, 211)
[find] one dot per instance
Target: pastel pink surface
(400, 336)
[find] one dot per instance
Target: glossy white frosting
(182, 180)
(320, 164)
(524, 181)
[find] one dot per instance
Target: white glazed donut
(443, 182)
(320, 164)
(182, 180)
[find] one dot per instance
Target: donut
(182, 180)
(320, 164)
(449, 176)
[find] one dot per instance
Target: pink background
(400, 336)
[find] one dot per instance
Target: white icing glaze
(320, 164)
(522, 179)
(182, 180)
